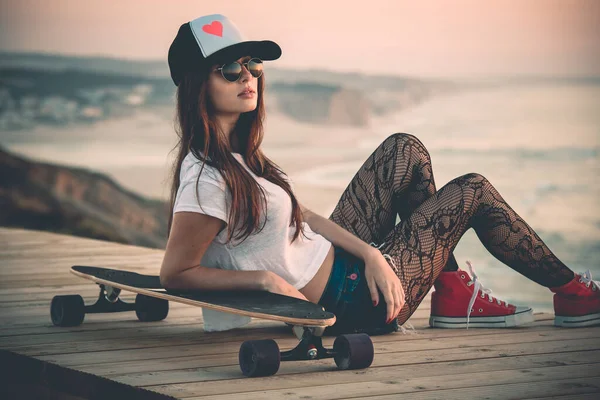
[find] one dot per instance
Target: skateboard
(256, 357)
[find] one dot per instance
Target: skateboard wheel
(150, 309)
(353, 351)
(259, 358)
(67, 310)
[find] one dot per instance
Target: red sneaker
(456, 294)
(577, 303)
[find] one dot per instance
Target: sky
(422, 38)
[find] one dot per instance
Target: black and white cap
(213, 39)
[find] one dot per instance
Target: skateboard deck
(257, 304)
(256, 357)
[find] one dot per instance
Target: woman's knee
(401, 140)
(463, 183)
(474, 178)
(473, 183)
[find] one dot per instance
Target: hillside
(76, 201)
(53, 89)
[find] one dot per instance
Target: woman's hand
(379, 274)
(275, 284)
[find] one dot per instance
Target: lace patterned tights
(397, 178)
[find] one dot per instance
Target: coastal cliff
(320, 103)
(38, 89)
(76, 201)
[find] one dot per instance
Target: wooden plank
(94, 324)
(35, 325)
(34, 239)
(43, 310)
(579, 396)
(191, 337)
(38, 324)
(12, 321)
(97, 321)
(181, 326)
(298, 381)
(381, 358)
(230, 350)
(142, 332)
(399, 384)
(300, 374)
(42, 325)
(60, 267)
(44, 299)
(508, 391)
(177, 356)
(18, 311)
(188, 358)
(46, 290)
(174, 342)
(40, 317)
(177, 316)
(134, 258)
(178, 327)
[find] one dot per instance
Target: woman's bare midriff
(314, 289)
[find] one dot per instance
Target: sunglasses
(233, 71)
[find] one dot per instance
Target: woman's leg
(395, 179)
(421, 245)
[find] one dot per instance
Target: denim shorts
(348, 297)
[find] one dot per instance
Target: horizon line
(470, 76)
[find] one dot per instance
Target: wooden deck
(176, 358)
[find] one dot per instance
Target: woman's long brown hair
(197, 132)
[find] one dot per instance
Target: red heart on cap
(214, 28)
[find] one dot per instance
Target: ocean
(538, 144)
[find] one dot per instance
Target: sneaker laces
(586, 279)
(386, 256)
(478, 287)
(409, 330)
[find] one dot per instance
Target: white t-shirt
(269, 250)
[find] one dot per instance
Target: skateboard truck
(70, 310)
(310, 346)
(110, 293)
(262, 357)
(109, 301)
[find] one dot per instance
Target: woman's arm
(191, 234)
(205, 278)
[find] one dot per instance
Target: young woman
(237, 224)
